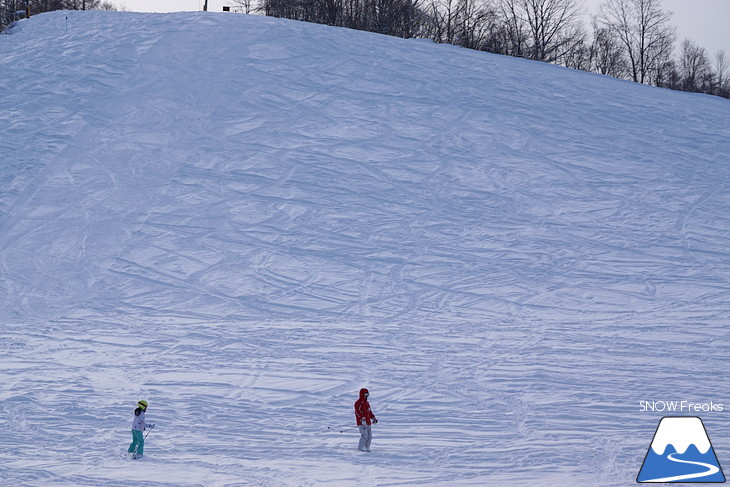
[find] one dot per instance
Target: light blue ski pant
(137, 445)
(366, 437)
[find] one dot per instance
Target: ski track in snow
(244, 220)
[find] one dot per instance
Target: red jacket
(362, 409)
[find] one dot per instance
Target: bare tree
(398, 18)
(466, 23)
(721, 73)
(477, 23)
(606, 54)
(445, 14)
(694, 65)
(106, 5)
(544, 30)
(8, 12)
(81, 4)
(243, 6)
(644, 32)
(579, 56)
(553, 27)
(402, 18)
(514, 30)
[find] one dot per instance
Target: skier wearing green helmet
(138, 426)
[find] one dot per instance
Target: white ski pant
(366, 437)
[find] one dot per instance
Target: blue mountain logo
(681, 452)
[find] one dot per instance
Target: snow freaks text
(680, 406)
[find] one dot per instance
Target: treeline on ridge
(628, 39)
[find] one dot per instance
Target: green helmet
(142, 404)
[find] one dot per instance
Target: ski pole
(337, 427)
(354, 428)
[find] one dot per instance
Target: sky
(703, 21)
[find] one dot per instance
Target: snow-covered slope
(244, 220)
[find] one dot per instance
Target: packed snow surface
(245, 220)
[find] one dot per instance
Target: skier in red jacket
(365, 418)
